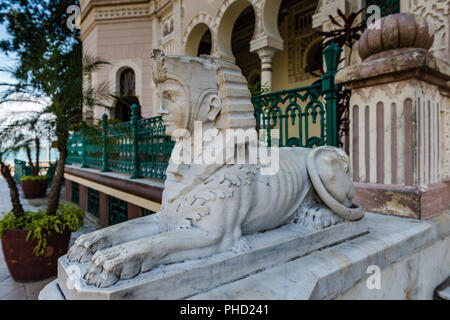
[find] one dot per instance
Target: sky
(9, 61)
(4, 59)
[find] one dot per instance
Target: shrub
(33, 178)
(41, 225)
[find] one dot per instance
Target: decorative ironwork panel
(118, 211)
(93, 202)
(147, 212)
(75, 193)
(155, 148)
(291, 118)
(387, 7)
(94, 148)
(120, 147)
(75, 149)
(20, 168)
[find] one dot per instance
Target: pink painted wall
(118, 43)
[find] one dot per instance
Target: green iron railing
(302, 108)
(147, 212)
(21, 169)
(118, 211)
(75, 193)
(93, 202)
(291, 117)
(139, 147)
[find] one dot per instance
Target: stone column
(266, 55)
(397, 113)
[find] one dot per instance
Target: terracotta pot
(23, 264)
(34, 189)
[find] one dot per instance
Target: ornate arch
(223, 27)
(201, 17)
(195, 30)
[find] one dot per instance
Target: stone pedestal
(398, 108)
(196, 276)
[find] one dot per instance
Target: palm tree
(69, 88)
(34, 128)
(73, 91)
(9, 143)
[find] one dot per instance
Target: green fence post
(134, 128)
(105, 143)
(330, 90)
(83, 146)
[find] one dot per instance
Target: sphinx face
(174, 105)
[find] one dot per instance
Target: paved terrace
(13, 290)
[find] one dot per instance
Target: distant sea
(44, 155)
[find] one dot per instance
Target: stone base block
(405, 201)
(447, 183)
(183, 280)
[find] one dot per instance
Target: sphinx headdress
(237, 109)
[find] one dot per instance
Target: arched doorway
(302, 62)
(127, 96)
(241, 36)
(205, 45)
(199, 41)
(226, 26)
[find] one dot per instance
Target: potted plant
(34, 186)
(52, 69)
(34, 241)
(31, 130)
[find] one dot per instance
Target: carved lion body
(210, 208)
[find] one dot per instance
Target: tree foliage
(51, 64)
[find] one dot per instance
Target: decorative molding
(301, 36)
(437, 14)
(201, 17)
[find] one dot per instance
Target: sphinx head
(198, 89)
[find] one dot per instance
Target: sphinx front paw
(87, 245)
(318, 217)
(110, 265)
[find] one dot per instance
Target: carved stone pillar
(266, 55)
(397, 112)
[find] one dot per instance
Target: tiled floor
(10, 289)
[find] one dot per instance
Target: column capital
(266, 42)
(266, 53)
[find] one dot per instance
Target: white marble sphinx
(209, 209)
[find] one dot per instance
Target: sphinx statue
(210, 208)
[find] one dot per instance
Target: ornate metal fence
(295, 118)
(139, 147)
(21, 169)
(118, 210)
(119, 147)
(93, 202)
(75, 148)
(155, 148)
(299, 117)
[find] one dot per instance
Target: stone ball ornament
(394, 32)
